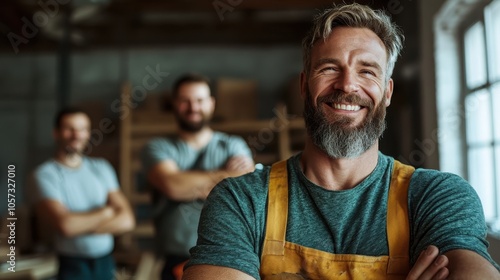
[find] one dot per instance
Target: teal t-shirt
(444, 210)
(176, 222)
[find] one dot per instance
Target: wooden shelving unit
(275, 138)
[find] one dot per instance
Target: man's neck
(337, 174)
(72, 160)
(198, 139)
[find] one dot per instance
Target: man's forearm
(122, 222)
(465, 264)
(192, 185)
(208, 272)
(75, 223)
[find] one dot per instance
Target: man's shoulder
(162, 143)
(160, 140)
(259, 175)
(46, 167)
(431, 179)
(253, 184)
(97, 160)
(434, 181)
(424, 174)
(219, 135)
(47, 173)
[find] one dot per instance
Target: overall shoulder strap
(277, 210)
(398, 225)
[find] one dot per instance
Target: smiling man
(183, 169)
(79, 196)
(341, 209)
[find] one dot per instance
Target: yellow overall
(285, 260)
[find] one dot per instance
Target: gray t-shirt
(444, 210)
(79, 189)
(177, 222)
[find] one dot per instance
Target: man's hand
(122, 218)
(108, 211)
(429, 265)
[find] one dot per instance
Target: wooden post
(126, 176)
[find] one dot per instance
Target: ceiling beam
(211, 5)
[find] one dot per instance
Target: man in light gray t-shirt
(79, 197)
(79, 190)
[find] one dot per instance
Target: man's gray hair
(360, 16)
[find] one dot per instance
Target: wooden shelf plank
(153, 128)
(144, 229)
(140, 198)
(296, 123)
(234, 127)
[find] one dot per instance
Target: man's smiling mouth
(346, 107)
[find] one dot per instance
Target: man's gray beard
(337, 139)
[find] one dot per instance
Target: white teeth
(346, 107)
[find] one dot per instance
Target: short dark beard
(337, 138)
(190, 126)
(68, 150)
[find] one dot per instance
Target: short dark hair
(64, 112)
(190, 78)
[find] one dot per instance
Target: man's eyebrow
(326, 60)
(365, 63)
(371, 64)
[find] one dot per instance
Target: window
(481, 101)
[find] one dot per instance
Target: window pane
(496, 113)
(481, 178)
(478, 118)
(497, 163)
(475, 59)
(493, 30)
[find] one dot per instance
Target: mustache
(341, 97)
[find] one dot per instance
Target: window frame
(478, 14)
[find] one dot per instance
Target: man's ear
(303, 85)
(388, 92)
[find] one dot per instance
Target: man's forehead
(78, 118)
(194, 90)
(357, 40)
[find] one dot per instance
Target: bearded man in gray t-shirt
(183, 169)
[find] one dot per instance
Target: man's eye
(328, 70)
(368, 72)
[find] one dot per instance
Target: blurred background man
(79, 197)
(184, 169)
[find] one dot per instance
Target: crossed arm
(180, 185)
(455, 264)
(115, 217)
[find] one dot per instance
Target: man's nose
(79, 134)
(347, 82)
(194, 106)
